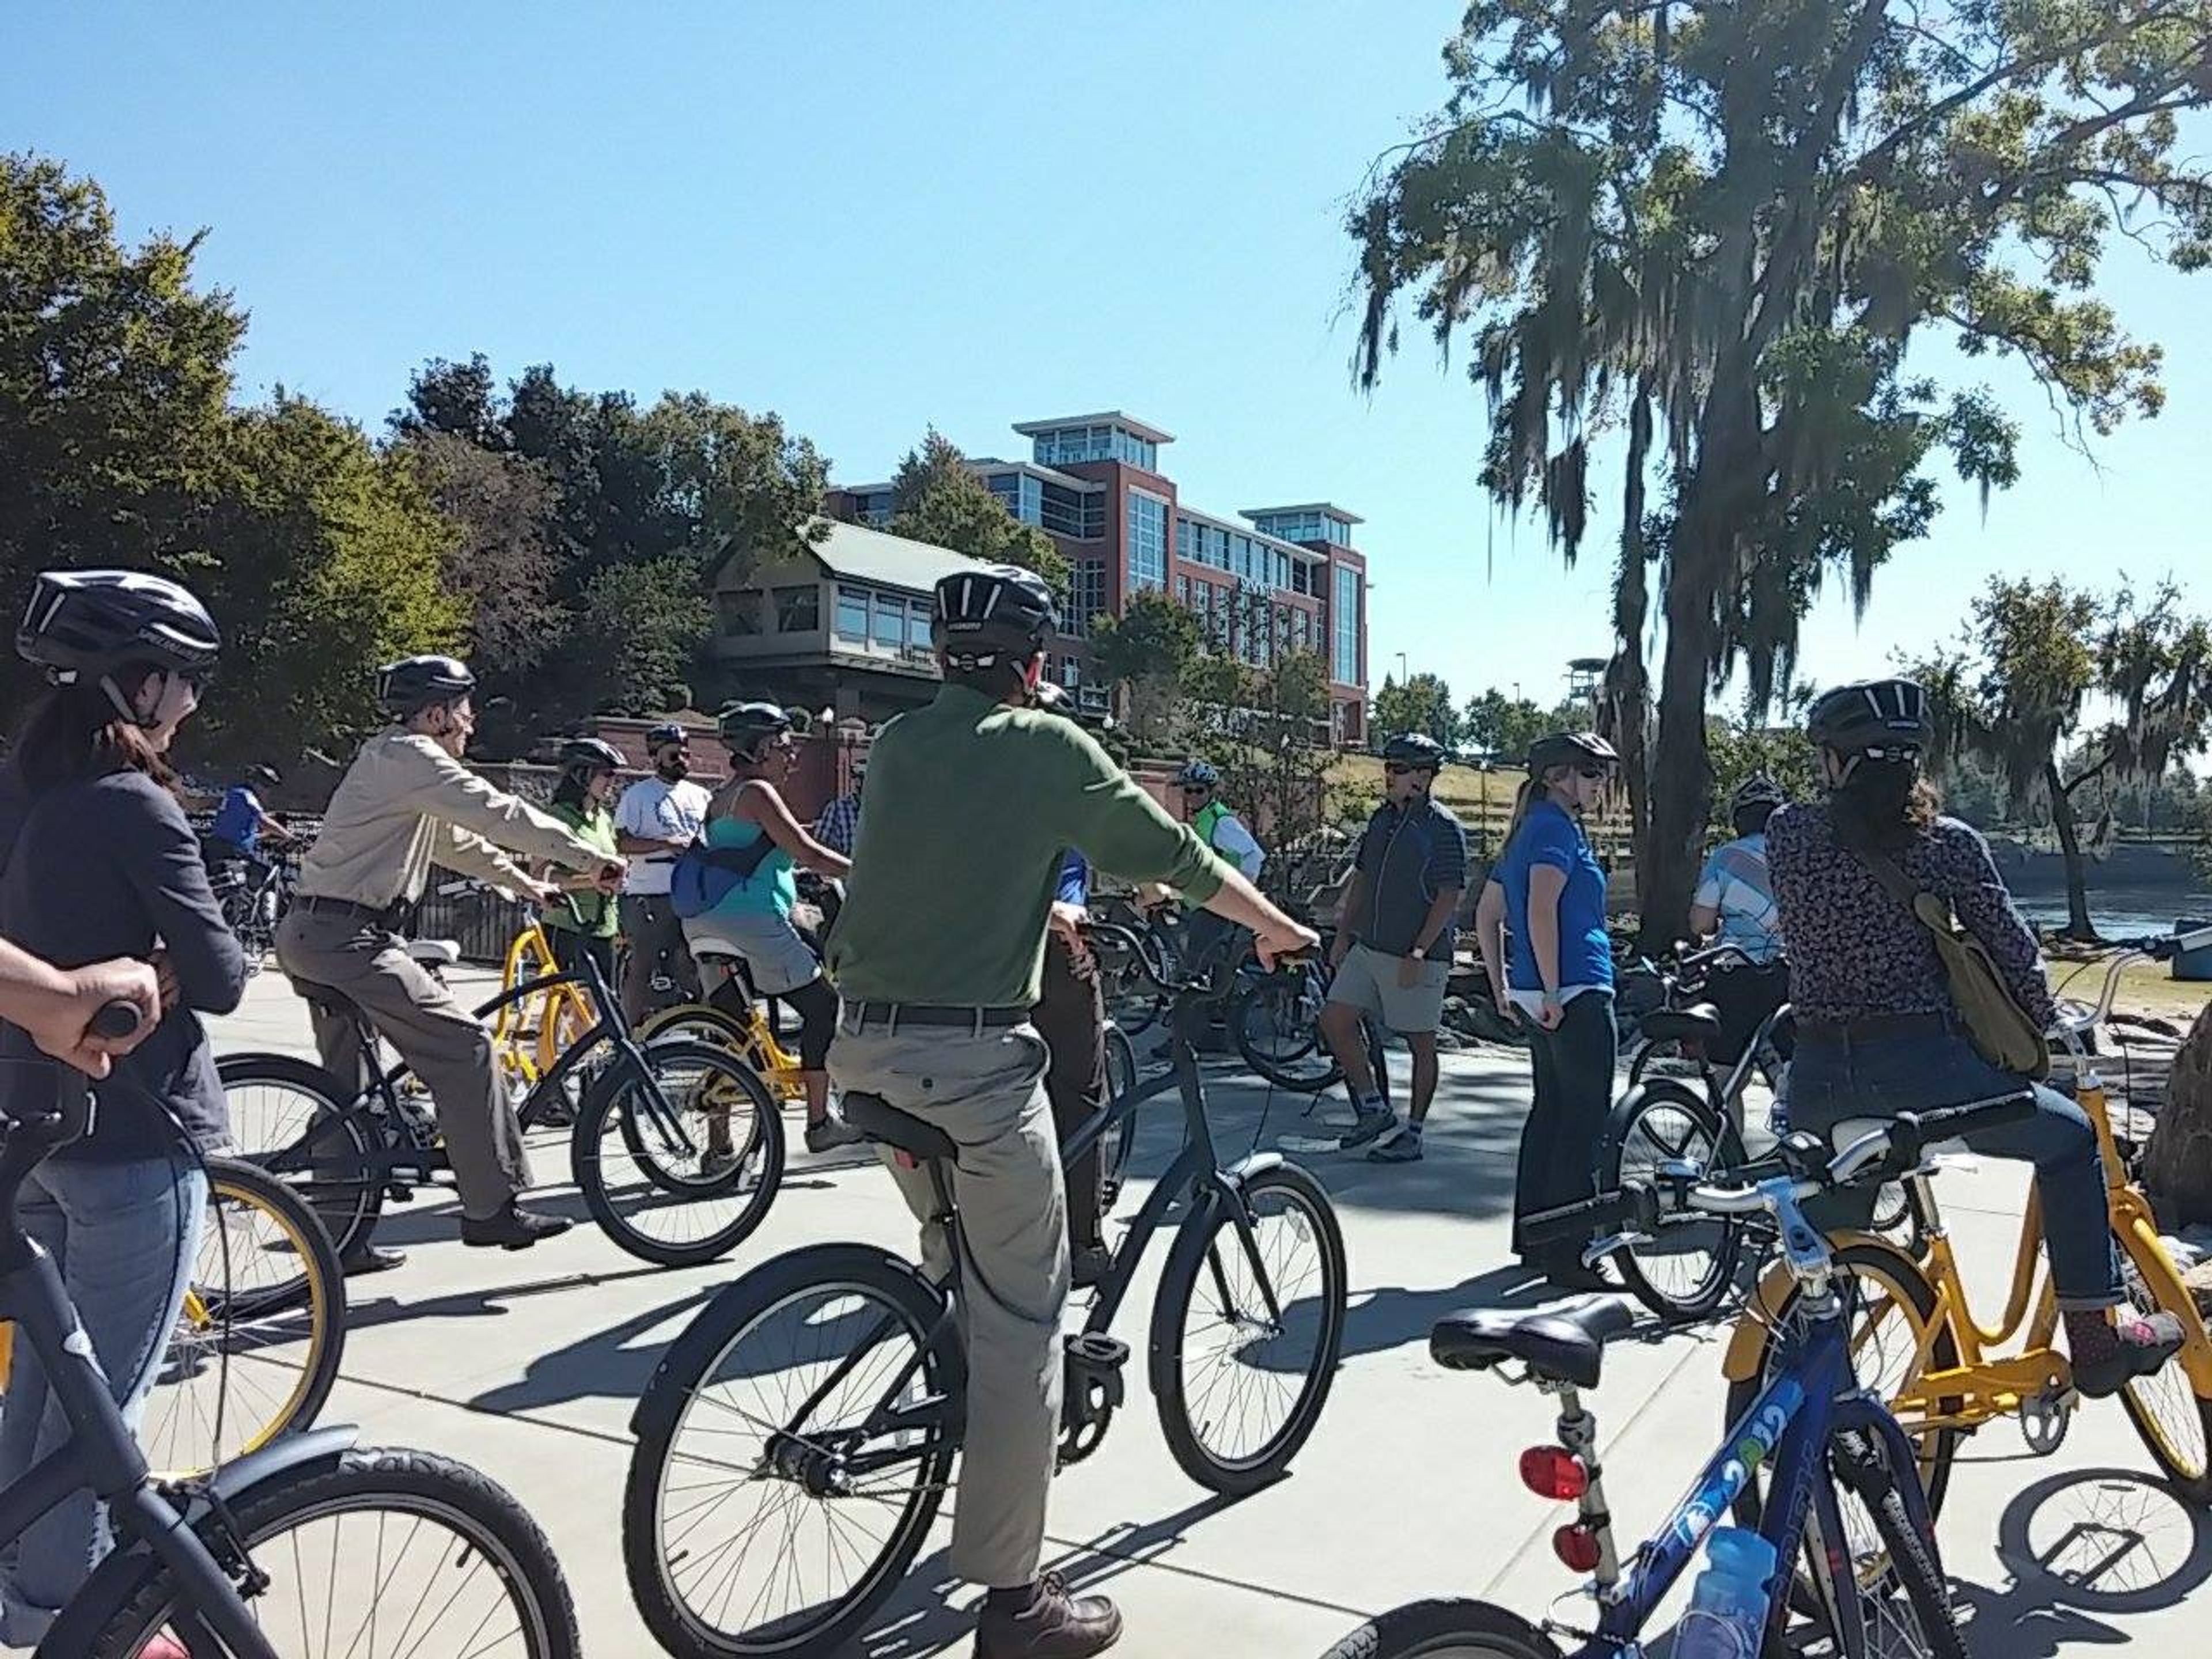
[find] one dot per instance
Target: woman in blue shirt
(1541, 926)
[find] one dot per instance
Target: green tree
(1263, 728)
(1423, 703)
(937, 498)
(638, 632)
(1146, 651)
(1746, 750)
(1715, 227)
(2015, 693)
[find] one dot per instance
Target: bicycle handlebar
(2154, 947)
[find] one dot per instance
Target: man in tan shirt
(404, 804)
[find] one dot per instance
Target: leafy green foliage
(1743, 752)
(1718, 225)
(638, 629)
(1147, 651)
(1423, 703)
(937, 498)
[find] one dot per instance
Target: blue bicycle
(1843, 1500)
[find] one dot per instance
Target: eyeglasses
(1398, 769)
(1593, 773)
(1198, 788)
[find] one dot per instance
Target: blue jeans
(1832, 1079)
(124, 1237)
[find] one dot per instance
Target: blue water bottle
(1727, 1618)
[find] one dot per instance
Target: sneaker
(1372, 1124)
(1403, 1147)
(1054, 1626)
(365, 1259)
(831, 1133)
(717, 1161)
(512, 1229)
(2141, 1346)
(1090, 1267)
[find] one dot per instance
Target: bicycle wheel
(681, 1171)
(1896, 1584)
(696, 1022)
(1684, 1271)
(298, 1121)
(390, 1555)
(257, 1346)
(1275, 1022)
(1446, 1629)
(747, 1529)
(2174, 1421)
(1239, 1390)
(1893, 1305)
(1120, 1135)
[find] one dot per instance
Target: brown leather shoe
(1055, 1625)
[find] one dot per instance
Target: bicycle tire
(2173, 1421)
(1272, 994)
(1120, 1136)
(685, 1369)
(611, 1111)
(344, 1184)
(1897, 1273)
(477, 1510)
(244, 1327)
(1906, 1560)
(1637, 1264)
(1446, 1629)
(695, 1022)
(1194, 1249)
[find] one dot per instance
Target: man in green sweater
(937, 957)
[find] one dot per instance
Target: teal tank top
(774, 887)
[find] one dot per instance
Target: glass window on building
(1094, 515)
(738, 611)
(1147, 546)
(1344, 628)
(798, 610)
(853, 614)
(1061, 510)
(890, 623)
(917, 624)
(1086, 596)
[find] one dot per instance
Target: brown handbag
(2003, 1032)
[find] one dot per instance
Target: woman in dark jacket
(97, 861)
(1878, 1032)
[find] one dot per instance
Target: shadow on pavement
(602, 1363)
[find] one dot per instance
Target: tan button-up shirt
(405, 804)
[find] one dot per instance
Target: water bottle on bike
(1727, 1617)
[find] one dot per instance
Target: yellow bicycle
(530, 1034)
(257, 1343)
(1917, 1340)
(753, 1040)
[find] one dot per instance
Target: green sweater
(971, 805)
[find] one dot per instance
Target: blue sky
(870, 216)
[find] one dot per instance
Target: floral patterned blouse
(1855, 951)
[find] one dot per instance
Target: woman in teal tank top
(752, 919)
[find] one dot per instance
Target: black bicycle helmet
(667, 731)
(95, 622)
(590, 755)
(1416, 749)
(413, 684)
(1755, 791)
(1883, 720)
(990, 613)
(745, 727)
(267, 776)
(1569, 748)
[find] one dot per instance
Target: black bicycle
(678, 1146)
(253, 900)
(796, 1441)
(309, 1548)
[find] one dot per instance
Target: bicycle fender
(121, 1570)
(1749, 1340)
(1251, 1164)
(227, 1065)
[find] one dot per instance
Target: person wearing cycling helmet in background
(656, 819)
(1878, 1031)
(1198, 787)
(1071, 1017)
(241, 820)
(1393, 951)
(404, 804)
(1735, 906)
(98, 862)
(748, 819)
(973, 801)
(1541, 926)
(582, 801)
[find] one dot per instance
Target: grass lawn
(2146, 988)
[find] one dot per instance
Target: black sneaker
(1054, 1626)
(1369, 1123)
(1403, 1147)
(512, 1229)
(365, 1259)
(2141, 1346)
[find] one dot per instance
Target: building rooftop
(1129, 423)
(1328, 509)
(887, 561)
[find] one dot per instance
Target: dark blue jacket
(106, 867)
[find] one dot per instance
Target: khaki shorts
(1369, 981)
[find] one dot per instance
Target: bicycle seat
(433, 952)
(883, 1123)
(336, 1003)
(1849, 1129)
(1560, 1345)
(1691, 1024)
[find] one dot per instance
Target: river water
(2121, 912)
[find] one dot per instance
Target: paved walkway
(528, 1364)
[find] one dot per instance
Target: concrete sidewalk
(528, 1367)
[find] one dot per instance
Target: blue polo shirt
(1550, 836)
(238, 820)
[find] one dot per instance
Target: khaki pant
(445, 1045)
(988, 1093)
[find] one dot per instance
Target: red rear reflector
(1577, 1547)
(1553, 1472)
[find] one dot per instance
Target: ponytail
(1883, 806)
(1524, 799)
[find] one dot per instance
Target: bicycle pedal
(399, 1192)
(1094, 1362)
(2044, 1417)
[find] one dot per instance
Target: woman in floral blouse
(1878, 1032)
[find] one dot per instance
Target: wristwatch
(1419, 953)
